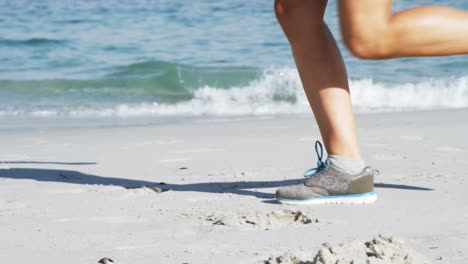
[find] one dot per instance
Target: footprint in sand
(262, 220)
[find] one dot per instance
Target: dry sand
(70, 195)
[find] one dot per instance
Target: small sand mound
(262, 220)
(147, 190)
(380, 250)
(289, 258)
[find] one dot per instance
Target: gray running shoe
(328, 184)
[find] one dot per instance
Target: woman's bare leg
(371, 31)
(322, 73)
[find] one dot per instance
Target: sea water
(108, 61)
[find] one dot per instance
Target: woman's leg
(371, 31)
(322, 72)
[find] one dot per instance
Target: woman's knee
(365, 27)
(369, 42)
(296, 16)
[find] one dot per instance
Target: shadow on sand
(249, 188)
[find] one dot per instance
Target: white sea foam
(280, 92)
(428, 94)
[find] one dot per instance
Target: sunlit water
(155, 60)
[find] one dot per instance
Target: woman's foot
(329, 184)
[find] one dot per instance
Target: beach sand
(76, 195)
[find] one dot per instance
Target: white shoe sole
(364, 198)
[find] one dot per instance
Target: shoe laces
(320, 164)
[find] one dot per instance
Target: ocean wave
(31, 42)
(185, 76)
(277, 91)
(161, 81)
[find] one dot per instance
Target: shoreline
(52, 123)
